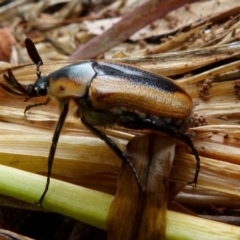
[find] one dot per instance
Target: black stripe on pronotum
(110, 94)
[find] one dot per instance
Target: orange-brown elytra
(110, 94)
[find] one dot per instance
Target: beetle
(109, 94)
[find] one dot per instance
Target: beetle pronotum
(107, 94)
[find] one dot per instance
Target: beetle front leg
(169, 130)
(37, 105)
(114, 147)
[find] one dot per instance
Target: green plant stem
(80, 203)
(92, 206)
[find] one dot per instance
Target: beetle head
(38, 89)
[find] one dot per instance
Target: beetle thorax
(67, 88)
(72, 81)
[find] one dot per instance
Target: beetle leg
(52, 151)
(36, 105)
(114, 147)
(169, 130)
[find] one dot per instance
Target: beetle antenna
(34, 55)
(17, 88)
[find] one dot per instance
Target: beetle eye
(41, 91)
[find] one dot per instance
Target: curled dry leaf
(6, 43)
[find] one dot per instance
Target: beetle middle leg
(114, 147)
(53, 148)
